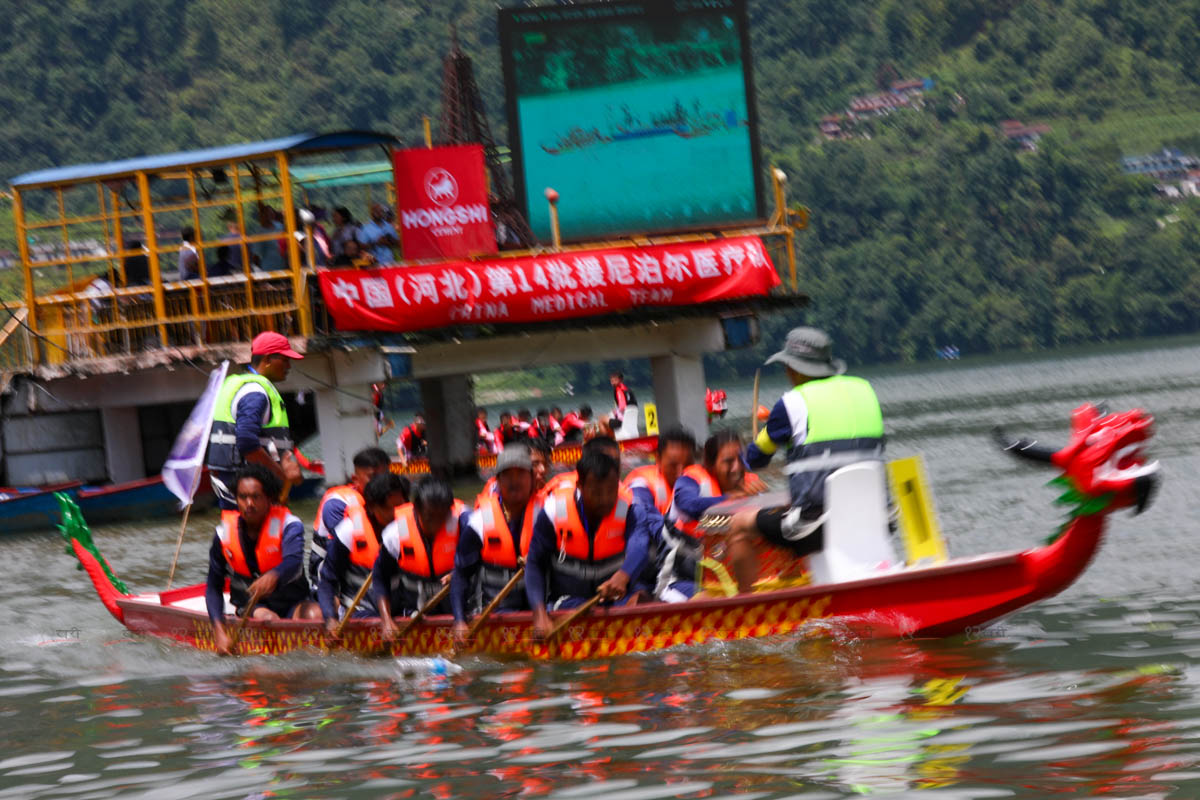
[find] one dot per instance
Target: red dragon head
(1104, 463)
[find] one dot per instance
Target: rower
(418, 553)
(540, 455)
(715, 403)
(720, 476)
(250, 423)
(485, 439)
(495, 536)
(411, 441)
(600, 444)
(652, 484)
(506, 430)
(259, 547)
(625, 413)
(335, 502)
(574, 424)
(588, 539)
(546, 428)
(354, 546)
(827, 421)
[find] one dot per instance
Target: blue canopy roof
(299, 143)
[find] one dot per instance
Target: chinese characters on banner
(555, 286)
(442, 202)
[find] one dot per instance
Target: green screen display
(640, 115)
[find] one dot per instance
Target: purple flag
(181, 472)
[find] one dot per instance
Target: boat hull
(942, 600)
(144, 499)
(33, 511)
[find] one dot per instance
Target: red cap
(271, 342)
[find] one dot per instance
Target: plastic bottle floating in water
(436, 666)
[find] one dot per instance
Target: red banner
(582, 283)
(442, 202)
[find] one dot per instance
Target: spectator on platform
(379, 235)
(344, 230)
(223, 265)
(189, 256)
(268, 255)
(352, 255)
(321, 249)
(137, 266)
(232, 238)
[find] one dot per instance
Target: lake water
(1094, 693)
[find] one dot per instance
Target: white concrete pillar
(346, 423)
(679, 393)
(345, 419)
(122, 444)
(450, 427)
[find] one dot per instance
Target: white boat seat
(856, 525)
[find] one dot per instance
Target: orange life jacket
(268, 551)
(347, 494)
(414, 559)
(364, 544)
(678, 519)
(650, 478)
(499, 549)
(559, 481)
(594, 558)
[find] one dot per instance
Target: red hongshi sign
(442, 202)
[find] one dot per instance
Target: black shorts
(769, 522)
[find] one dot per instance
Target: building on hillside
(1171, 165)
(912, 88)
(1026, 136)
(901, 94)
(1191, 184)
(831, 127)
(876, 105)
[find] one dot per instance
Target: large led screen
(639, 114)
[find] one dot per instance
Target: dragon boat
(563, 454)
(1102, 470)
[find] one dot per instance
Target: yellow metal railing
(82, 298)
(109, 322)
(15, 352)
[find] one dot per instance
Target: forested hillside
(929, 226)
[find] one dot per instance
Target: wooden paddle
(574, 615)
(415, 618)
(237, 632)
(482, 616)
(477, 623)
(362, 592)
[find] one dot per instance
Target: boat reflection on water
(837, 716)
(843, 716)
